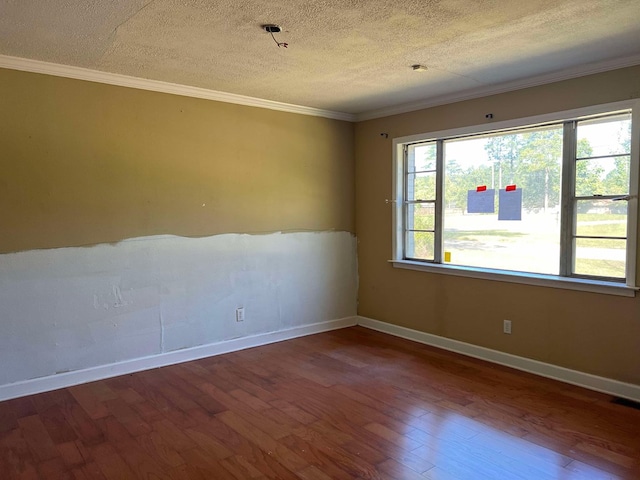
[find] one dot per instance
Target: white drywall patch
(75, 308)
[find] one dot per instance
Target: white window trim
(554, 281)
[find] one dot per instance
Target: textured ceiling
(344, 55)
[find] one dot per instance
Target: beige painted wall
(89, 164)
(588, 332)
(83, 163)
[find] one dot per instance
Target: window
(548, 198)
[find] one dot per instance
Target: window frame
(564, 280)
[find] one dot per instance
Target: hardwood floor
(351, 403)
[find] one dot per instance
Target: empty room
(319, 240)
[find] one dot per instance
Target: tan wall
(88, 164)
(594, 333)
(83, 163)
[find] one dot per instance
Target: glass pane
(421, 216)
(526, 236)
(602, 176)
(601, 218)
(604, 136)
(421, 186)
(601, 258)
(420, 245)
(466, 168)
(422, 157)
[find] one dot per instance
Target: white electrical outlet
(506, 326)
(240, 314)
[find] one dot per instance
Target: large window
(550, 199)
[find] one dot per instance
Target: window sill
(551, 281)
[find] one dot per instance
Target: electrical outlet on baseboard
(240, 314)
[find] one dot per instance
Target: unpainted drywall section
(589, 332)
(84, 163)
(133, 223)
(74, 308)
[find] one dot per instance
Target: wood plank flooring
(347, 404)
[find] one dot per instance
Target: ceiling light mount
(271, 28)
(418, 68)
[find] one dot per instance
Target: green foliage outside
(533, 161)
(601, 268)
(422, 243)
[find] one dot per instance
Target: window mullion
(567, 215)
(632, 205)
(439, 207)
(405, 196)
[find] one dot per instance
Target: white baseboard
(68, 379)
(62, 380)
(574, 377)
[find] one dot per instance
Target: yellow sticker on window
(447, 256)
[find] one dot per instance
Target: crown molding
(487, 90)
(79, 73)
